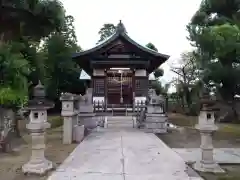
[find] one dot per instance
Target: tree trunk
(182, 103)
(15, 123)
(234, 111)
(188, 98)
(16, 127)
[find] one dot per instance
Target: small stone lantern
(38, 106)
(206, 126)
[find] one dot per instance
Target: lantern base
(208, 167)
(37, 168)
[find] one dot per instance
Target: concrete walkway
(114, 154)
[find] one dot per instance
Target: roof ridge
(121, 28)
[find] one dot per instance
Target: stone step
(120, 120)
(119, 125)
(119, 117)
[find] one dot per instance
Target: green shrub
(55, 121)
(193, 110)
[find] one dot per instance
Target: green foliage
(13, 80)
(152, 47)
(61, 74)
(158, 73)
(12, 98)
(214, 30)
(159, 88)
(106, 31)
(32, 19)
(55, 121)
(187, 81)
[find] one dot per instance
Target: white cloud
(162, 22)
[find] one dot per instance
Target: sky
(161, 22)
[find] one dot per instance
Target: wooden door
(114, 90)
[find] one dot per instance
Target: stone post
(70, 109)
(38, 106)
(206, 126)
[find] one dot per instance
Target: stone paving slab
(122, 155)
(221, 155)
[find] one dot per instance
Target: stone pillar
(38, 106)
(206, 126)
(70, 109)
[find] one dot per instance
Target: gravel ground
(190, 138)
(186, 136)
(11, 163)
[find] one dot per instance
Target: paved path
(122, 155)
(221, 155)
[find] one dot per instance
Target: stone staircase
(119, 122)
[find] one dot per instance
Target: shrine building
(120, 68)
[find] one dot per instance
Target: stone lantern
(38, 106)
(206, 126)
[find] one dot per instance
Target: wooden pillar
(106, 91)
(99, 84)
(133, 88)
(141, 84)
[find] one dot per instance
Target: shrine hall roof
(85, 58)
(120, 31)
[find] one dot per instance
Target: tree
(28, 22)
(32, 19)
(160, 88)
(152, 46)
(13, 79)
(157, 85)
(187, 77)
(158, 73)
(106, 31)
(214, 30)
(61, 73)
(13, 82)
(25, 24)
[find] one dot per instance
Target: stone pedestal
(78, 133)
(70, 110)
(69, 121)
(88, 120)
(207, 127)
(156, 123)
(38, 106)
(156, 119)
(86, 115)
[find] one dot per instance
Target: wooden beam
(120, 62)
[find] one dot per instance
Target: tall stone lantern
(38, 106)
(206, 126)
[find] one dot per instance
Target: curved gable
(120, 33)
(120, 49)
